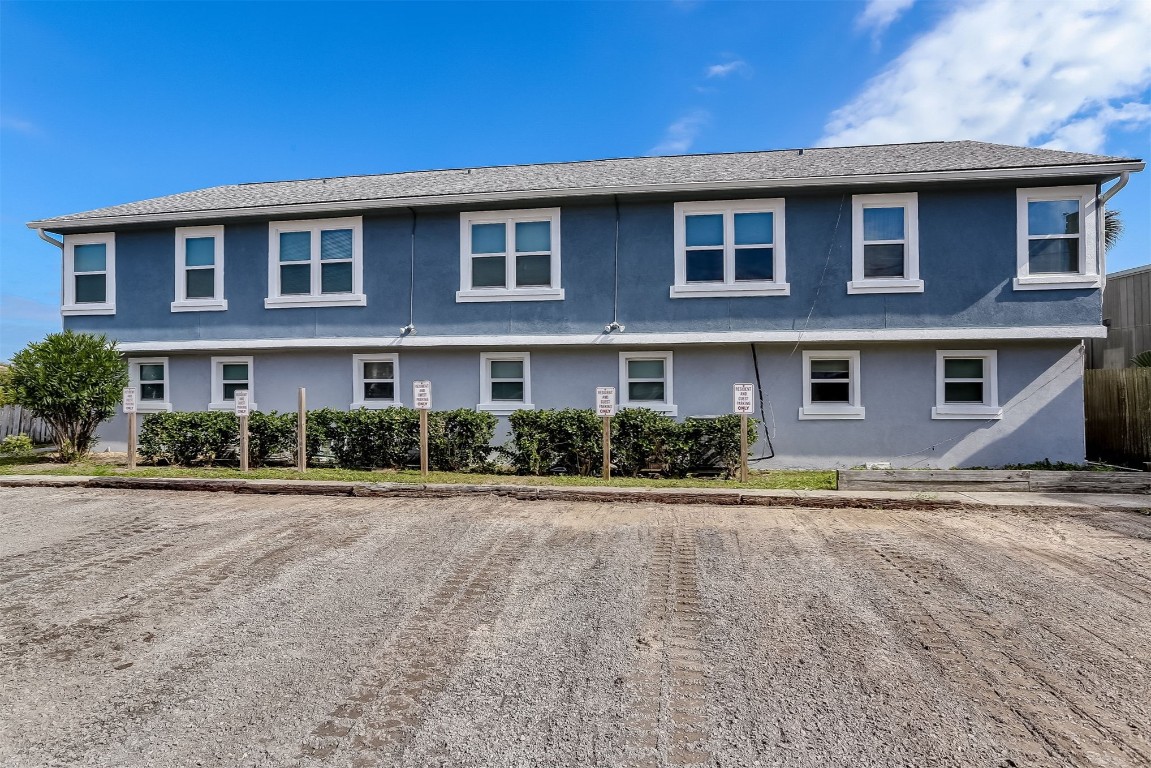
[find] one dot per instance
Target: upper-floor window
(510, 256)
(885, 244)
(1055, 230)
(831, 387)
(230, 374)
(505, 382)
(149, 376)
(966, 385)
(645, 381)
(89, 274)
(199, 269)
(730, 248)
(316, 263)
(375, 377)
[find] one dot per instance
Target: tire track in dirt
(378, 719)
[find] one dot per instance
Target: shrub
(269, 434)
(17, 446)
(706, 443)
(459, 440)
(70, 380)
(571, 439)
(642, 439)
(369, 438)
(189, 438)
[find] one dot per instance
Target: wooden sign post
(605, 407)
(302, 432)
(743, 404)
(130, 409)
(242, 409)
(422, 399)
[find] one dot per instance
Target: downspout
(410, 328)
(59, 244)
(1101, 222)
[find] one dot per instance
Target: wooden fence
(1117, 405)
(14, 420)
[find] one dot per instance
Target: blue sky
(105, 103)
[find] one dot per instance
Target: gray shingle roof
(423, 187)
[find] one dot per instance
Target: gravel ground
(183, 629)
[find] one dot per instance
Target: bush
(72, 381)
(569, 439)
(189, 438)
(367, 439)
(707, 443)
(269, 434)
(17, 446)
(642, 439)
(459, 440)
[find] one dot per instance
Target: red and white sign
(741, 399)
(129, 399)
(422, 395)
(605, 401)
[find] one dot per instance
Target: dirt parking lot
(184, 629)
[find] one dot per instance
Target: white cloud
(881, 14)
(1059, 73)
(727, 68)
(681, 134)
(9, 123)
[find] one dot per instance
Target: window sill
(1055, 282)
(665, 408)
(205, 305)
(725, 290)
(514, 294)
(981, 412)
(876, 285)
(231, 406)
(153, 407)
(831, 412)
(71, 310)
(334, 300)
(377, 405)
(504, 409)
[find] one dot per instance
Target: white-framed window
(1057, 243)
(228, 375)
(505, 382)
(831, 388)
(645, 381)
(199, 269)
(966, 384)
(510, 255)
(730, 248)
(316, 263)
(376, 380)
(149, 377)
(885, 244)
(89, 274)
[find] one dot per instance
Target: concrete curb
(879, 500)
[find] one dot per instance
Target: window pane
(230, 390)
(90, 288)
(507, 369)
(336, 278)
(1053, 217)
(533, 236)
(489, 238)
(199, 251)
(1048, 256)
(507, 390)
(336, 244)
(705, 266)
(705, 230)
(830, 369)
(533, 270)
(830, 392)
(489, 271)
(379, 370)
(883, 260)
(645, 369)
(235, 372)
(295, 279)
(754, 263)
(152, 392)
(295, 246)
(971, 368)
(151, 372)
(645, 390)
(963, 392)
(201, 283)
(754, 228)
(883, 223)
(90, 258)
(379, 390)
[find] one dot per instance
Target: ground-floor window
(229, 375)
(831, 385)
(966, 385)
(374, 380)
(149, 377)
(505, 382)
(645, 381)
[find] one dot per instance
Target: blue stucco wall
(967, 262)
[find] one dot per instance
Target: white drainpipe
(1100, 222)
(59, 244)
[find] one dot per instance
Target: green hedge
(205, 437)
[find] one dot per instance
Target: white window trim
(850, 410)
(1088, 274)
(218, 402)
(504, 407)
(150, 406)
(910, 282)
(182, 303)
(467, 293)
(108, 306)
(316, 299)
(989, 408)
(668, 405)
(358, 361)
(682, 289)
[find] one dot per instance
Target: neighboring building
(1127, 315)
(923, 304)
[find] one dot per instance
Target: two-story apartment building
(923, 304)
